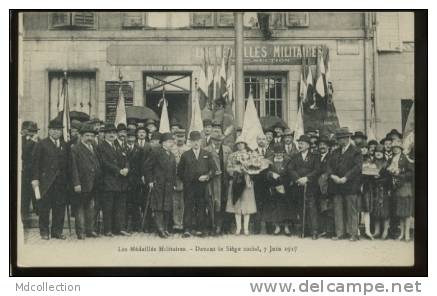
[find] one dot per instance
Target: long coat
(348, 164)
(402, 187)
(112, 161)
(48, 163)
(219, 184)
(27, 146)
(85, 168)
(135, 156)
(161, 168)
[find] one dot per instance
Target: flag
(310, 90)
(331, 121)
(196, 123)
(209, 77)
(408, 141)
(120, 112)
(302, 87)
(371, 134)
(298, 125)
(320, 76)
(164, 124)
(222, 91)
(203, 80)
(251, 125)
(66, 109)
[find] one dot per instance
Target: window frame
(126, 26)
(213, 20)
(71, 25)
(305, 25)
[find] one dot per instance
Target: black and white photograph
(216, 138)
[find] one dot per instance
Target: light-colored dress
(246, 202)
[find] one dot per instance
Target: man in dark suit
(85, 173)
(196, 168)
(28, 141)
(207, 130)
(289, 146)
(49, 180)
(160, 174)
(115, 168)
(344, 170)
(303, 170)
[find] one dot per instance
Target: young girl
(401, 170)
(241, 202)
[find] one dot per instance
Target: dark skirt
(278, 209)
(380, 202)
(404, 201)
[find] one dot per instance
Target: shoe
(186, 234)
(277, 231)
(237, 232)
(338, 237)
(368, 236)
(80, 237)
(353, 238)
(92, 234)
(246, 232)
(45, 237)
(109, 234)
(287, 231)
(124, 233)
(161, 234)
(315, 236)
(167, 233)
(59, 236)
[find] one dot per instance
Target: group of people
(125, 179)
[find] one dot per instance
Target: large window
(268, 92)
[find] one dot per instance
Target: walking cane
(143, 220)
(304, 210)
(69, 218)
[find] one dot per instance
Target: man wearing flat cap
(86, 175)
(160, 174)
(196, 168)
(304, 170)
(115, 169)
(218, 185)
(344, 170)
(29, 131)
(49, 180)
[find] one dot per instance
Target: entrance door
(175, 88)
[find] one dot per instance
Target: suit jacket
(190, 168)
(309, 167)
(269, 153)
(220, 182)
(112, 161)
(177, 152)
(161, 166)
(206, 142)
(324, 178)
(26, 156)
(348, 164)
(85, 167)
(48, 163)
(135, 156)
(292, 151)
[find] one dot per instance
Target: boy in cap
(49, 180)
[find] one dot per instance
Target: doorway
(175, 88)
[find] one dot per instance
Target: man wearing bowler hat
(115, 169)
(49, 180)
(303, 170)
(359, 138)
(160, 175)
(344, 170)
(29, 131)
(86, 174)
(196, 168)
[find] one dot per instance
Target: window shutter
(387, 30)
(202, 19)
(60, 19)
(133, 19)
(298, 19)
(225, 19)
(83, 19)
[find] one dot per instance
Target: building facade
(160, 53)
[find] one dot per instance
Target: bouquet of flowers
(250, 162)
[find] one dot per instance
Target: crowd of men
(119, 180)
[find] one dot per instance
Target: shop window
(297, 19)
(202, 19)
(268, 93)
(167, 20)
(133, 20)
(81, 89)
(73, 20)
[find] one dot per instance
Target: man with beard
(86, 173)
(49, 180)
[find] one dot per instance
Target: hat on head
(288, 133)
(239, 129)
(216, 123)
(207, 122)
(362, 145)
(217, 137)
(397, 143)
(131, 132)
(166, 137)
(324, 139)
(26, 124)
(33, 127)
(87, 128)
(109, 127)
(394, 132)
(278, 148)
(141, 128)
(156, 136)
(379, 148)
(195, 136)
(76, 124)
(384, 140)
(359, 134)
(372, 142)
(278, 125)
(56, 123)
(304, 138)
(180, 132)
(150, 121)
(121, 127)
(342, 132)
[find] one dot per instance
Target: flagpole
(239, 68)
